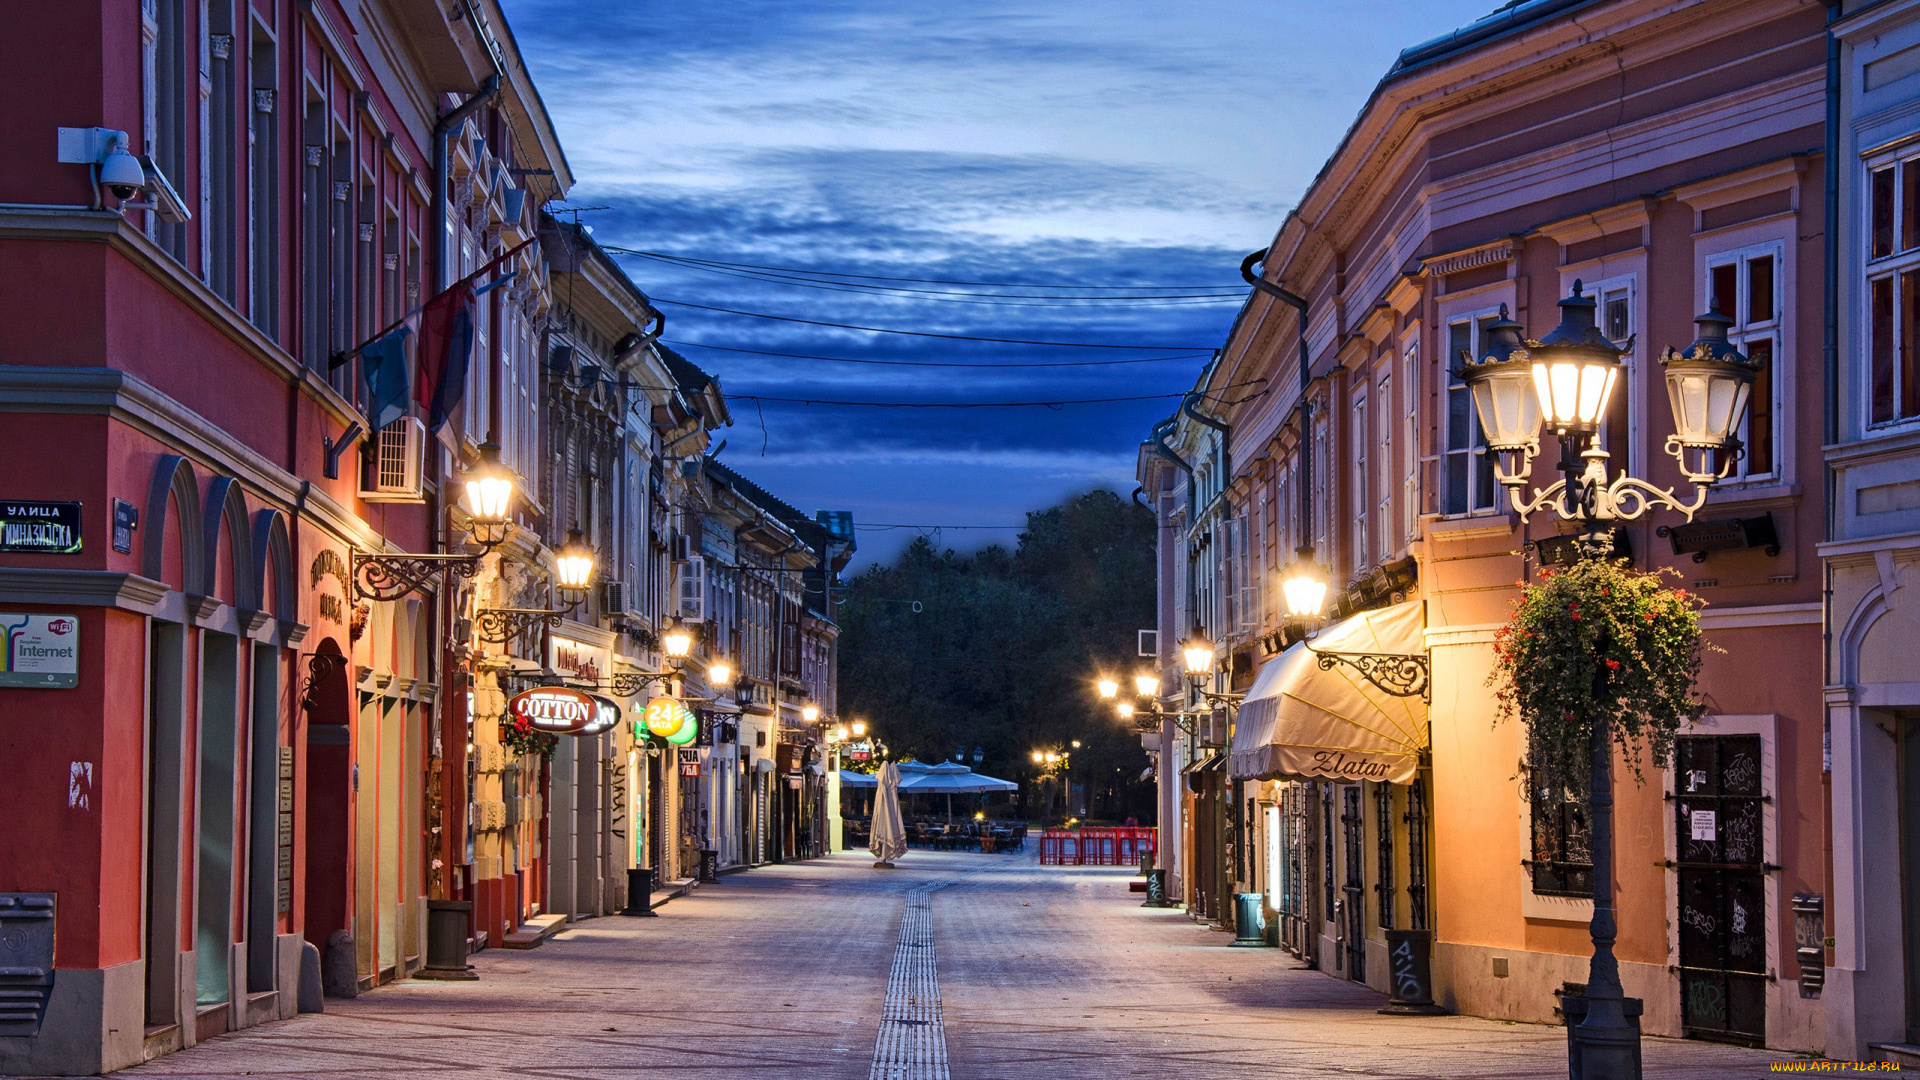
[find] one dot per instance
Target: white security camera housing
(120, 173)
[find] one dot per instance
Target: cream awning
(1300, 721)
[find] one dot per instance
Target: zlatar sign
(558, 710)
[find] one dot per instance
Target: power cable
(1237, 287)
(926, 333)
(943, 363)
(1051, 403)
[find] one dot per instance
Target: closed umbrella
(889, 840)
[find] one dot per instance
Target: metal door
(1353, 924)
(1722, 867)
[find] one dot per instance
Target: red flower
(1613, 665)
(1576, 616)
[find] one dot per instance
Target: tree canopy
(1003, 649)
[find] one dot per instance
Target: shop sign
(44, 528)
(39, 651)
(607, 714)
(860, 751)
(670, 719)
(558, 710)
(689, 763)
(576, 659)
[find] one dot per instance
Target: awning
(1298, 721)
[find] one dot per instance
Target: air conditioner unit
(613, 597)
(680, 547)
(392, 462)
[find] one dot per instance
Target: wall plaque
(46, 528)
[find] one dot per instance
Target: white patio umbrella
(889, 840)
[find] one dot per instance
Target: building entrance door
(1723, 939)
(1353, 924)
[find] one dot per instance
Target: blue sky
(1066, 143)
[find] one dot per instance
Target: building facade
(1665, 159)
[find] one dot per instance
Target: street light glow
(1108, 687)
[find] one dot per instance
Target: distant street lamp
(489, 496)
(1108, 687)
(1146, 684)
(809, 712)
(719, 672)
(677, 640)
(1572, 373)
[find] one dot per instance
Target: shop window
(1893, 294)
(1748, 285)
(1383, 831)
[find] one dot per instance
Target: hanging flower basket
(1597, 641)
(519, 736)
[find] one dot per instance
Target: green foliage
(1004, 647)
(1597, 641)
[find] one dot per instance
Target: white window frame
(1745, 331)
(1872, 269)
(1496, 502)
(1410, 435)
(1362, 433)
(1383, 458)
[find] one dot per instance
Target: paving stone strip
(912, 1043)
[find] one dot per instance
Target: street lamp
(573, 563)
(840, 733)
(1146, 684)
(859, 728)
(490, 496)
(719, 672)
(1197, 653)
(1303, 586)
(1125, 709)
(1039, 758)
(677, 639)
(809, 712)
(743, 692)
(1108, 688)
(1573, 371)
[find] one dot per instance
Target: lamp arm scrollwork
(1628, 498)
(500, 625)
(390, 577)
(1397, 674)
(1553, 496)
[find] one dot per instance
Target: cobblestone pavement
(1042, 973)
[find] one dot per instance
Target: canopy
(889, 840)
(1300, 721)
(952, 779)
(851, 779)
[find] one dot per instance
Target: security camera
(121, 174)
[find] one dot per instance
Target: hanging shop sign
(44, 528)
(557, 710)
(39, 651)
(606, 715)
(670, 719)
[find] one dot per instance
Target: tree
(1004, 645)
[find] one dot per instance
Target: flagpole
(343, 356)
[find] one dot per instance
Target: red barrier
(1097, 846)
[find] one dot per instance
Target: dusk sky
(1053, 145)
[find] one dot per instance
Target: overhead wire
(1236, 287)
(927, 333)
(943, 363)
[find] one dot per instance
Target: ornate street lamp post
(1565, 381)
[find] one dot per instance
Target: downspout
(1303, 406)
(1830, 302)
(1221, 426)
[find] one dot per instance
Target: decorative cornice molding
(80, 588)
(1470, 259)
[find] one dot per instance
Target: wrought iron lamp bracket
(1593, 499)
(320, 667)
(629, 683)
(390, 577)
(500, 625)
(1398, 674)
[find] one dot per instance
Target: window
(1362, 435)
(1614, 311)
(314, 203)
(1747, 285)
(263, 195)
(1893, 294)
(1562, 849)
(1322, 493)
(164, 69)
(1410, 439)
(221, 150)
(1383, 460)
(1467, 480)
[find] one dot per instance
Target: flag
(383, 367)
(446, 343)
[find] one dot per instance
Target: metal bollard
(1157, 889)
(709, 866)
(639, 892)
(1146, 861)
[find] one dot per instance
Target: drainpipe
(1226, 436)
(1298, 303)
(1830, 296)
(443, 130)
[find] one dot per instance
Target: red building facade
(264, 777)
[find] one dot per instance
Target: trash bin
(709, 865)
(1156, 889)
(639, 891)
(1249, 921)
(1410, 974)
